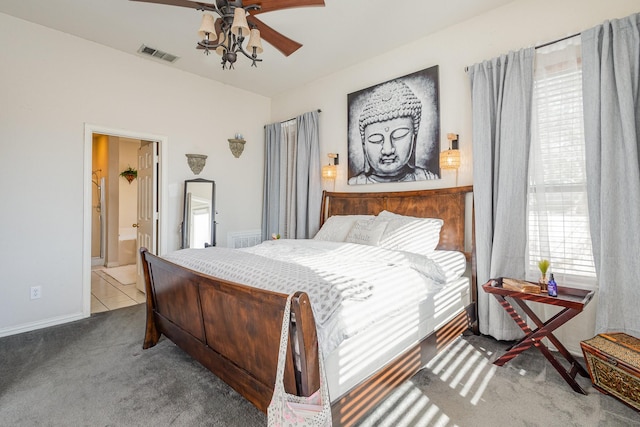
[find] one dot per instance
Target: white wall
(51, 84)
(517, 25)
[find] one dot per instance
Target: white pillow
(409, 233)
(453, 263)
(366, 231)
(336, 228)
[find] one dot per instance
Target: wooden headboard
(448, 204)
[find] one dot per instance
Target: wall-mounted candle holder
(236, 145)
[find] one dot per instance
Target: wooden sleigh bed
(233, 329)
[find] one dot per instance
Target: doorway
(114, 200)
(99, 175)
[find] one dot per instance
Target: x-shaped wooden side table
(572, 299)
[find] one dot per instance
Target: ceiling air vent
(146, 50)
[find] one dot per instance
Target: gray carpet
(94, 373)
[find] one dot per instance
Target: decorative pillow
(336, 228)
(366, 231)
(409, 233)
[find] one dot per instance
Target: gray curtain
(292, 183)
(271, 193)
(309, 179)
(611, 86)
(501, 95)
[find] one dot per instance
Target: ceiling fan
(226, 34)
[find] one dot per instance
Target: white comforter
(350, 286)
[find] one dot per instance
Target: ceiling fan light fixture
(207, 28)
(255, 42)
(226, 33)
(240, 27)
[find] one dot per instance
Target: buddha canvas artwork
(394, 130)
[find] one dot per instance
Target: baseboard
(95, 262)
(14, 330)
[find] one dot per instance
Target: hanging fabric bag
(286, 409)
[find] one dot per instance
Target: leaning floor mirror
(199, 223)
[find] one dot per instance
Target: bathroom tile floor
(109, 294)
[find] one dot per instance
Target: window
(558, 221)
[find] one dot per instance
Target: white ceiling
(336, 36)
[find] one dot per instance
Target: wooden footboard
(231, 329)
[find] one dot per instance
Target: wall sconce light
(196, 162)
(330, 171)
(450, 159)
(236, 145)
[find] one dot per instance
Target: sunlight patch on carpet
(464, 368)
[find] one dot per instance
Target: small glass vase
(542, 281)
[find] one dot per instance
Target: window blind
(558, 220)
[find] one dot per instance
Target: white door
(147, 203)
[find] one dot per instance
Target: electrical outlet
(36, 292)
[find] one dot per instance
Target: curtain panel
(271, 192)
(309, 177)
(501, 96)
(611, 91)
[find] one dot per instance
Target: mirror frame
(186, 216)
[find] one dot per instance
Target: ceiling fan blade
(274, 38)
(271, 5)
(181, 3)
(265, 5)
